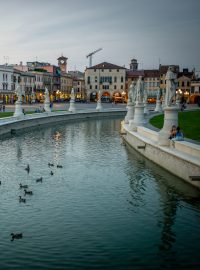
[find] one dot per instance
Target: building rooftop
(163, 68)
(106, 65)
(153, 73)
(134, 73)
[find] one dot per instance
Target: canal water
(106, 208)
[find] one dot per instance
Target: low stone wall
(11, 124)
(181, 160)
(188, 148)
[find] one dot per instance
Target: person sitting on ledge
(179, 135)
(173, 132)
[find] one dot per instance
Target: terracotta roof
(186, 74)
(163, 68)
(106, 65)
(153, 73)
(134, 73)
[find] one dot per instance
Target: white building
(108, 78)
(8, 81)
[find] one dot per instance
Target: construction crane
(90, 56)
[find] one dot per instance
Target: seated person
(179, 135)
(172, 132)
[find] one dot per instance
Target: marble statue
(170, 87)
(19, 93)
(132, 93)
(139, 90)
(72, 94)
(46, 96)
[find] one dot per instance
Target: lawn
(189, 123)
(7, 114)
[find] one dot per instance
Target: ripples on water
(107, 208)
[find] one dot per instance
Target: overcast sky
(147, 30)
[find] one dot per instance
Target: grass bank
(8, 114)
(189, 123)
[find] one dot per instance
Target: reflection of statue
(19, 93)
(170, 87)
(139, 90)
(46, 95)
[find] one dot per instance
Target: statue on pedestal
(139, 90)
(132, 93)
(170, 87)
(46, 96)
(19, 93)
(72, 94)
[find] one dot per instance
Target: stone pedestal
(178, 105)
(130, 112)
(47, 107)
(158, 107)
(99, 106)
(170, 119)
(18, 109)
(72, 107)
(146, 111)
(139, 119)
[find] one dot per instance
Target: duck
(59, 166)
(16, 236)
(22, 199)
(28, 192)
(27, 168)
(50, 164)
(39, 180)
(23, 186)
(51, 173)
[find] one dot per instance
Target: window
(115, 87)
(121, 86)
(102, 70)
(90, 86)
(95, 78)
(88, 80)
(94, 70)
(188, 83)
(110, 70)
(183, 83)
(95, 86)
(117, 70)
(115, 79)
(122, 79)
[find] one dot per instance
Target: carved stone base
(158, 107)
(139, 119)
(99, 106)
(18, 109)
(47, 107)
(72, 107)
(170, 119)
(130, 112)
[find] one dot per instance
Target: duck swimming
(50, 164)
(59, 166)
(16, 236)
(23, 186)
(51, 173)
(22, 199)
(28, 192)
(27, 168)
(39, 180)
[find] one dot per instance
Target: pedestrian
(172, 132)
(4, 108)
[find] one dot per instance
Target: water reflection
(171, 189)
(107, 208)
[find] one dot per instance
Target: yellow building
(109, 79)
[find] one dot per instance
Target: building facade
(107, 78)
